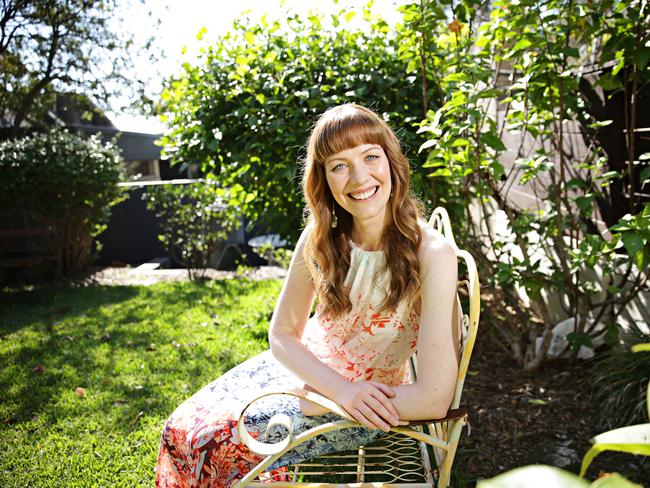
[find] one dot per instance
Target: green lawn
(137, 351)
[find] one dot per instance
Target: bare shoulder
(304, 234)
(434, 249)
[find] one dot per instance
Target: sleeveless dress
(200, 446)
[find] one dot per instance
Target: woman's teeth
(364, 195)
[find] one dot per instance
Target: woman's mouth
(365, 195)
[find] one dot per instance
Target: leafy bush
(66, 178)
(516, 75)
(245, 108)
(620, 384)
(195, 219)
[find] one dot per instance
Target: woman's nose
(359, 172)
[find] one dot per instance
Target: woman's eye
(338, 166)
(372, 157)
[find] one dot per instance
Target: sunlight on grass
(137, 351)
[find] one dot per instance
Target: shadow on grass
(105, 351)
(49, 305)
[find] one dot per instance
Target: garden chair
(402, 457)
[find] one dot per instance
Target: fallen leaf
(537, 401)
(38, 369)
(80, 392)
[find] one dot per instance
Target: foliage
(139, 352)
(620, 384)
(517, 76)
(634, 439)
(549, 477)
(275, 256)
(245, 109)
(60, 46)
(66, 178)
(195, 219)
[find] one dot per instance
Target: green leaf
(609, 82)
(426, 145)
(537, 401)
(534, 476)
(634, 439)
(641, 56)
(493, 141)
(633, 242)
(202, 31)
(600, 123)
(641, 347)
(645, 174)
(614, 480)
(522, 44)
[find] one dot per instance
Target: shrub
(244, 109)
(620, 384)
(195, 219)
(66, 178)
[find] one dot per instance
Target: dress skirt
(200, 446)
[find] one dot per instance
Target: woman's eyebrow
(335, 158)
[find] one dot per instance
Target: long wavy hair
(327, 249)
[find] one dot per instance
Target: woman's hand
(369, 403)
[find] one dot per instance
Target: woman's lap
(200, 445)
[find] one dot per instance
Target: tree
(56, 46)
(245, 109)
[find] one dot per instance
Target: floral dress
(200, 446)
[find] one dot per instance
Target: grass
(137, 351)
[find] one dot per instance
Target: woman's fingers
(380, 395)
(375, 421)
(383, 409)
(388, 391)
(359, 417)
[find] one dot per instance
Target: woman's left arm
(431, 395)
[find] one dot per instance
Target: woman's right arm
(367, 401)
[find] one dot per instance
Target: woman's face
(359, 179)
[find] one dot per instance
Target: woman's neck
(367, 235)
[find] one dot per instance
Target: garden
(527, 120)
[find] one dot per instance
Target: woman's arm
(366, 401)
(430, 396)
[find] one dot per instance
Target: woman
(386, 285)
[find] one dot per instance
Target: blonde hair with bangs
(327, 249)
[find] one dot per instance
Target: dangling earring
(335, 220)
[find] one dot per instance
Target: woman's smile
(365, 194)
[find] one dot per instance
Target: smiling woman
(386, 287)
(359, 179)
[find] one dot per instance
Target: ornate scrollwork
(272, 449)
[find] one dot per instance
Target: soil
(519, 419)
(108, 275)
